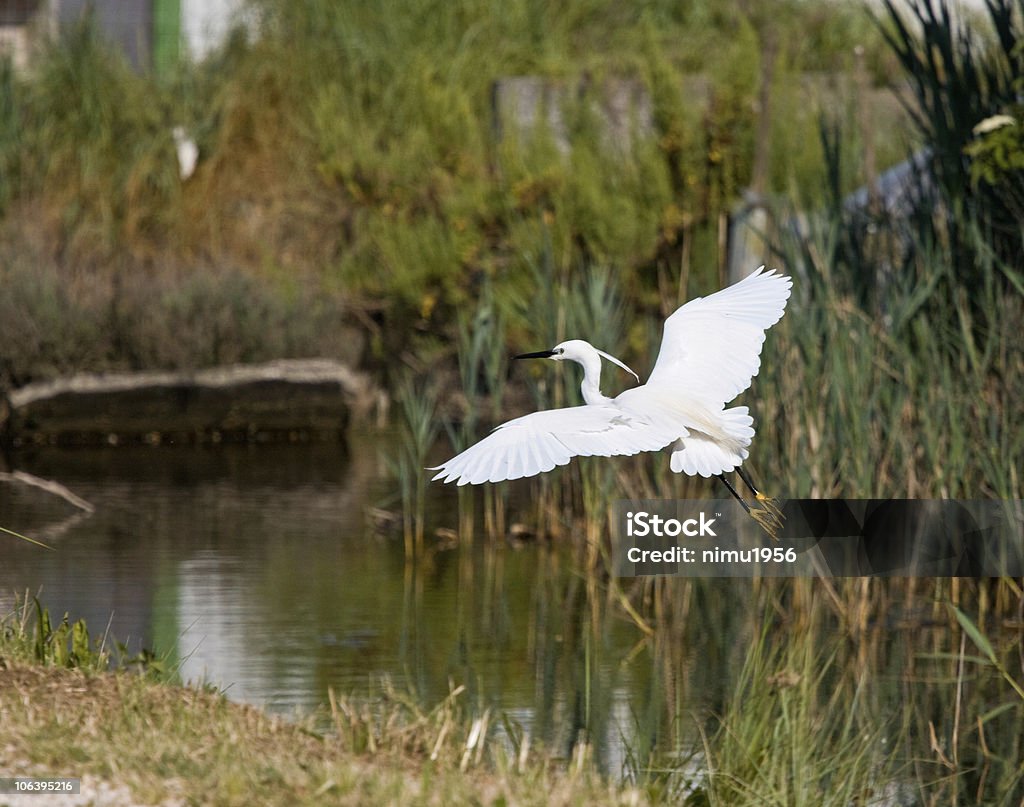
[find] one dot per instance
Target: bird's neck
(592, 381)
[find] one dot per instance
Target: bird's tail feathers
(698, 454)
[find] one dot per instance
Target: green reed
(882, 697)
(419, 432)
(770, 692)
(795, 731)
(483, 367)
(913, 396)
(917, 397)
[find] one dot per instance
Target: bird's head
(576, 350)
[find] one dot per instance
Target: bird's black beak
(540, 354)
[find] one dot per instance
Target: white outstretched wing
(712, 345)
(538, 442)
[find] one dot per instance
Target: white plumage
(710, 352)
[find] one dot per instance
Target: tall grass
(797, 731)
(906, 314)
(782, 692)
(483, 366)
(914, 400)
(419, 430)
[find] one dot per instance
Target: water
(276, 574)
(261, 570)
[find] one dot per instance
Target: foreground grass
(151, 742)
(134, 736)
(819, 714)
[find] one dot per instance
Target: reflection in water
(213, 624)
(256, 569)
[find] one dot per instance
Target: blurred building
(16, 18)
(152, 34)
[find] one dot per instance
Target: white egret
(710, 352)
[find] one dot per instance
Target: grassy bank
(134, 736)
(135, 741)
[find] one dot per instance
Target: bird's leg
(769, 522)
(767, 502)
(732, 490)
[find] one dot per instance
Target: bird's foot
(769, 521)
(771, 504)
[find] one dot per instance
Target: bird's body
(710, 352)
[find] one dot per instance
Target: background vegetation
(351, 182)
(350, 164)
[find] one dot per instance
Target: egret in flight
(710, 352)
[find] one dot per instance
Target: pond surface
(275, 573)
(266, 571)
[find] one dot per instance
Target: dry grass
(180, 745)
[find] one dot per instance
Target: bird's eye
(561, 350)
